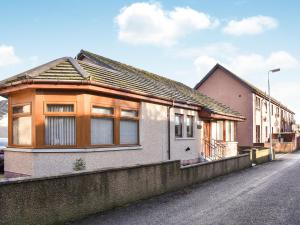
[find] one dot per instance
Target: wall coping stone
(73, 150)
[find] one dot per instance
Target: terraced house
(225, 86)
(92, 112)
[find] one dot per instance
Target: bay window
(21, 125)
(102, 126)
(129, 127)
(60, 125)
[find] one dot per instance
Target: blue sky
(178, 39)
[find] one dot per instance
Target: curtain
(128, 132)
(22, 130)
(102, 131)
(60, 130)
(60, 108)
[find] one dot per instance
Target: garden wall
(57, 199)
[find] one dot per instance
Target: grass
(1, 176)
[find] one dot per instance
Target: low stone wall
(283, 147)
(57, 199)
(258, 155)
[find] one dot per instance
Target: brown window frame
(134, 118)
(60, 114)
(101, 115)
(18, 115)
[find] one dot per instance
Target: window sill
(184, 138)
(74, 150)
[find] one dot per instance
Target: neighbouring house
(92, 112)
(228, 88)
(3, 119)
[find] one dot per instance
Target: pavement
(264, 194)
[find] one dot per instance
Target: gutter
(89, 82)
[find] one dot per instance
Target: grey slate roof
(117, 75)
(246, 83)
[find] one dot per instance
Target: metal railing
(216, 149)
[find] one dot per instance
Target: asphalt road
(264, 194)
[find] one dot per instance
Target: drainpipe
(169, 130)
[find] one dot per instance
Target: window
(190, 126)
(266, 107)
(178, 125)
(129, 127)
(220, 130)
(102, 126)
(257, 102)
(230, 131)
(257, 133)
(266, 132)
(21, 124)
(272, 110)
(60, 125)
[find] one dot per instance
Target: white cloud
(204, 64)
(8, 56)
(149, 23)
(240, 63)
(251, 25)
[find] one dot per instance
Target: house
(92, 112)
(228, 88)
(3, 119)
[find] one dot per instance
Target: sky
(181, 40)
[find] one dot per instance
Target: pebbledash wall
(153, 139)
(57, 199)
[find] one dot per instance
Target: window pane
(128, 132)
(178, 125)
(129, 113)
(102, 110)
(228, 131)
(220, 125)
(189, 126)
(60, 107)
(102, 131)
(60, 130)
(21, 109)
(22, 131)
(232, 131)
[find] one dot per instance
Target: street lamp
(270, 122)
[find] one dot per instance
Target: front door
(206, 135)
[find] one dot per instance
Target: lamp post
(270, 122)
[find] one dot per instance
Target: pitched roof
(159, 85)
(117, 75)
(244, 82)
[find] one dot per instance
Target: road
(264, 194)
